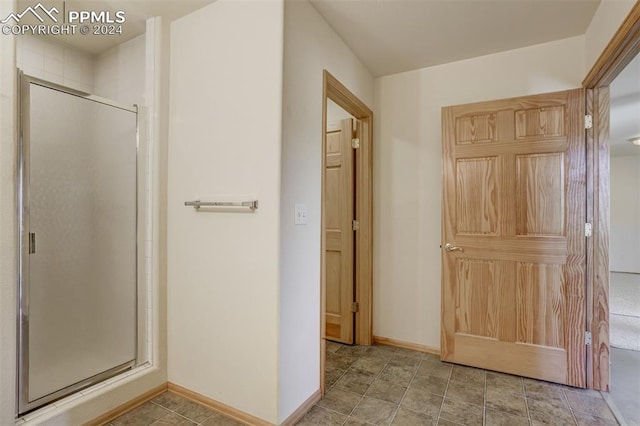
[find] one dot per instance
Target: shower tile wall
(119, 72)
(55, 62)
(120, 75)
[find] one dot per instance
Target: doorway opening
(624, 249)
(346, 219)
(621, 50)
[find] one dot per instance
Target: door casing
(623, 47)
(343, 97)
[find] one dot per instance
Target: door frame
(338, 93)
(622, 49)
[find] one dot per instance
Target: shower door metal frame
(23, 405)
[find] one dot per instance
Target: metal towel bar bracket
(196, 204)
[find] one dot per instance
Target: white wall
(310, 46)
(624, 254)
(224, 141)
(408, 173)
(55, 62)
(605, 23)
(335, 113)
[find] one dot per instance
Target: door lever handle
(451, 247)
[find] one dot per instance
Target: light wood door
(339, 213)
(513, 295)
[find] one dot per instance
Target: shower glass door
(78, 219)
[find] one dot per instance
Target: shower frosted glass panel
(81, 206)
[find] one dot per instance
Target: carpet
(624, 304)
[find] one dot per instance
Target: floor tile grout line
(334, 411)
(365, 392)
(566, 400)
(175, 412)
(415, 373)
(445, 395)
(396, 358)
(376, 378)
(526, 400)
(566, 391)
(484, 402)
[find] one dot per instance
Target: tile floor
(625, 384)
(171, 409)
(381, 385)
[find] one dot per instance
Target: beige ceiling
(391, 36)
(136, 13)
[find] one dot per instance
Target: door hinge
(355, 143)
(354, 307)
(588, 230)
(588, 121)
(587, 338)
(355, 225)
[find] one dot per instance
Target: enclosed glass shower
(77, 197)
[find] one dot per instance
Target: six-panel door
(513, 296)
(339, 213)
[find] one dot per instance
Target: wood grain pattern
(477, 297)
(515, 248)
(334, 269)
(511, 299)
(540, 195)
(599, 303)
(364, 236)
(476, 129)
(540, 122)
(333, 144)
(477, 195)
(575, 268)
(339, 196)
(590, 246)
(511, 146)
(345, 99)
(540, 304)
(333, 197)
(533, 361)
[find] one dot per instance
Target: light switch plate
(301, 214)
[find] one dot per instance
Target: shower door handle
(32, 242)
